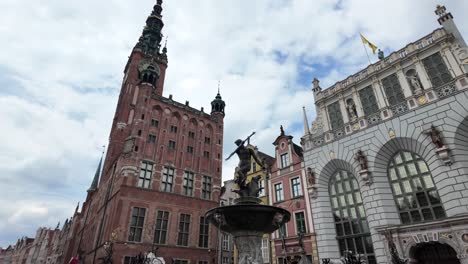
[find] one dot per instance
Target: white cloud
(61, 66)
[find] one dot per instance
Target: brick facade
(155, 142)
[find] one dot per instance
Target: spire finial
(282, 130)
(219, 84)
(164, 50)
(306, 122)
(95, 182)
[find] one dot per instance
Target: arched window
(415, 194)
(352, 230)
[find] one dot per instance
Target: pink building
(288, 189)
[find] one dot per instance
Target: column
(423, 77)
(452, 62)
(404, 83)
(379, 94)
(357, 102)
(344, 112)
(325, 121)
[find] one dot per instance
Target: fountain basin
(248, 217)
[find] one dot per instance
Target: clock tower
(162, 170)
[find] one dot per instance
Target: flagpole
(364, 46)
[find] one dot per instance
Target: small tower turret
(316, 87)
(446, 20)
(217, 105)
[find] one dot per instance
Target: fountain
(247, 220)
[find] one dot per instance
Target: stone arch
(460, 150)
(411, 244)
(323, 215)
(193, 121)
(379, 165)
(176, 115)
(157, 108)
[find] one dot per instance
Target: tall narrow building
(161, 172)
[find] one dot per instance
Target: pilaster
(344, 112)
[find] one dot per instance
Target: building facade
(162, 170)
(226, 240)
(287, 188)
(387, 152)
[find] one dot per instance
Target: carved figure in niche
(310, 176)
(351, 108)
(436, 137)
(414, 81)
(362, 159)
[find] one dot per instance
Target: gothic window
(203, 236)
(154, 123)
(160, 233)
(180, 261)
(206, 154)
(136, 224)
(167, 182)
(187, 188)
(207, 140)
(336, 119)
(413, 188)
(368, 101)
(352, 230)
(184, 228)
(393, 90)
(437, 70)
(146, 169)
(174, 129)
(206, 188)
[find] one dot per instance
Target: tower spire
(150, 40)
(306, 122)
(95, 182)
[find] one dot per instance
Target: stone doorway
(433, 253)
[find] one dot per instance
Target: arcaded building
(388, 150)
(162, 170)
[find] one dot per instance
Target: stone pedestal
(443, 153)
(249, 247)
(365, 176)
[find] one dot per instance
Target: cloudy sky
(61, 68)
